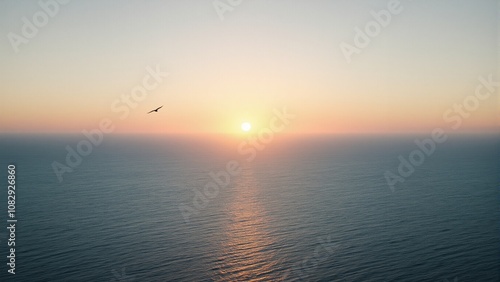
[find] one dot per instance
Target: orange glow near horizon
(482, 121)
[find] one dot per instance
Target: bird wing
(155, 110)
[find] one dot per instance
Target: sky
(223, 64)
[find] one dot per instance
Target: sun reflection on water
(247, 251)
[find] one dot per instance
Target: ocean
(300, 208)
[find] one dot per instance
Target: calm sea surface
(305, 209)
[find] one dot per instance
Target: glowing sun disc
(246, 126)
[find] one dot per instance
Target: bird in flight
(155, 110)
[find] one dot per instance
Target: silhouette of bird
(155, 110)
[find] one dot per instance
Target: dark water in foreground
(311, 209)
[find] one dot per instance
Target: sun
(246, 126)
